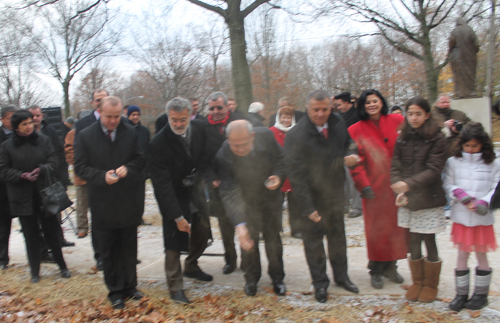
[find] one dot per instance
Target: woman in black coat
(24, 160)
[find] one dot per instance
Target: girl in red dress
(375, 135)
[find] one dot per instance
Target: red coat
(385, 240)
(280, 135)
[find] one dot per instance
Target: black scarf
(19, 140)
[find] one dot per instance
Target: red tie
(108, 133)
(324, 131)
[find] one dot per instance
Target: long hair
(475, 130)
(430, 127)
(362, 100)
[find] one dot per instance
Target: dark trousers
(225, 226)
(119, 256)
(293, 212)
(382, 267)
(5, 225)
(198, 241)
(30, 227)
(331, 225)
(274, 252)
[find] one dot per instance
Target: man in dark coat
(5, 216)
(175, 160)
(232, 106)
(218, 118)
(81, 124)
(162, 121)
(255, 111)
(315, 154)
(250, 168)
(109, 158)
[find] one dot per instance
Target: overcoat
(118, 205)
(170, 164)
(385, 240)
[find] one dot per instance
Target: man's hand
(122, 171)
(216, 183)
(449, 123)
(273, 182)
(183, 226)
(400, 187)
(314, 217)
(246, 243)
(111, 177)
(351, 160)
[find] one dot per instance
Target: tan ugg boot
(417, 274)
(432, 270)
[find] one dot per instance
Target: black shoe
(354, 214)
(99, 266)
(179, 296)
(250, 289)
(228, 269)
(119, 304)
(348, 286)
(138, 261)
(321, 295)
(137, 295)
(377, 282)
(47, 257)
(477, 302)
(199, 275)
(35, 279)
(279, 288)
(65, 243)
(4, 266)
(394, 277)
(65, 273)
(458, 303)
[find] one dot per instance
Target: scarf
(222, 122)
(18, 139)
(281, 127)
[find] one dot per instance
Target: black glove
(367, 193)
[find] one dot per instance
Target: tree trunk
(67, 111)
(431, 71)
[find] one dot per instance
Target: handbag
(54, 196)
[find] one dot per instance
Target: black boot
(462, 286)
(480, 297)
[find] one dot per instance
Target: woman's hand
(400, 187)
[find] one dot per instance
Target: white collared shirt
(113, 133)
(320, 129)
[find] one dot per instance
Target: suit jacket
(315, 165)
(161, 122)
(242, 189)
(84, 123)
(58, 148)
(256, 119)
(117, 205)
(170, 164)
(350, 117)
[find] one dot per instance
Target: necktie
(108, 133)
(324, 131)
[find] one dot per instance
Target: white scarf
(281, 127)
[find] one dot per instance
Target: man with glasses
(219, 116)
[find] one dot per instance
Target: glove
(481, 207)
(463, 197)
(367, 193)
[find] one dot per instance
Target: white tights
(463, 257)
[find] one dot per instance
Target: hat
(70, 120)
(255, 107)
(133, 108)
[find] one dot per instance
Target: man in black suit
(176, 165)
(251, 171)
(81, 190)
(219, 116)
(109, 158)
(162, 121)
(232, 105)
(5, 217)
(316, 150)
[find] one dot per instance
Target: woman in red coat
(285, 120)
(375, 135)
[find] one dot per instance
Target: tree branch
(252, 7)
(207, 6)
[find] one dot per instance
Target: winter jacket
(477, 179)
(419, 163)
(350, 117)
(256, 119)
(23, 154)
(69, 150)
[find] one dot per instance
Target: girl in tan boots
(471, 176)
(419, 158)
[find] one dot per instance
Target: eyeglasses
(217, 107)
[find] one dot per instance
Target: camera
(458, 125)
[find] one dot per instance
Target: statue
(463, 48)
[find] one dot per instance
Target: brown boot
(417, 274)
(432, 270)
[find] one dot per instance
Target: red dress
(280, 135)
(385, 240)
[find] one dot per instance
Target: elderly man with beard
(176, 164)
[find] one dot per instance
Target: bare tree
(71, 38)
(408, 25)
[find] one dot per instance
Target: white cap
(256, 107)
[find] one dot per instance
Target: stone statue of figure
(463, 48)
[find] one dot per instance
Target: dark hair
(318, 95)
(97, 91)
(429, 128)
(397, 107)
(18, 117)
(496, 107)
(475, 130)
(362, 100)
(6, 109)
(344, 96)
(191, 99)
